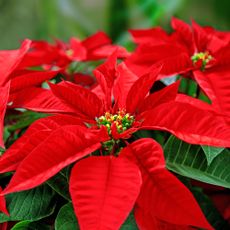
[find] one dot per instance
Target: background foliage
(47, 19)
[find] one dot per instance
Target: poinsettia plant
(108, 146)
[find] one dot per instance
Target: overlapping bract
(92, 127)
(201, 53)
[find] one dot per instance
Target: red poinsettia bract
(13, 78)
(199, 52)
(105, 185)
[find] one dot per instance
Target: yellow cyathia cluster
(203, 57)
(121, 119)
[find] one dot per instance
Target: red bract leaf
(4, 94)
(104, 190)
(207, 41)
(188, 123)
(183, 34)
(61, 148)
(99, 46)
(155, 36)
(146, 153)
(200, 36)
(105, 75)
(43, 53)
(124, 82)
(96, 40)
(22, 147)
(3, 204)
(79, 51)
(106, 50)
(181, 27)
(174, 58)
(222, 56)
(10, 59)
(108, 69)
(83, 79)
(164, 197)
(167, 94)
(82, 100)
(33, 136)
(194, 102)
(38, 99)
(32, 78)
(146, 221)
(140, 89)
(216, 84)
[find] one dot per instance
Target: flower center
(69, 52)
(121, 120)
(201, 59)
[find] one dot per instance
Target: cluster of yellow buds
(121, 119)
(69, 52)
(203, 57)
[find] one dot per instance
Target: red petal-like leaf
(81, 99)
(33, 136)
(10, 59)
(181, 27)
(162, 195)
(148, 149)
(39, 99)
(96, 40)
(33, 78)
(167, 94)
(105, 51)
(61, 148)
(183, 34)
(200, 36)
(79, 51)
(22, 147)
(83, 79)
(216, 84)
(154, 36)
(4, 94)
(194, 102)
(124, 82)
(99, 46)
(105, 75)
(189, 123)
(43, 53)
(175, 59)
(146, 221)
(165, 197)
(3, 204)
(104, 190)
(141, 88)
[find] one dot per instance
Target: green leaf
(27, 225)
(211, 152)
(6, 134)
(24, 120)
(59, 183)
(190, 161)
(130, 223)
(209, 210)
(188, 86)
(66, 219)
(31, 205)
(118, 18)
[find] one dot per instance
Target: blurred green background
(47, 19)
